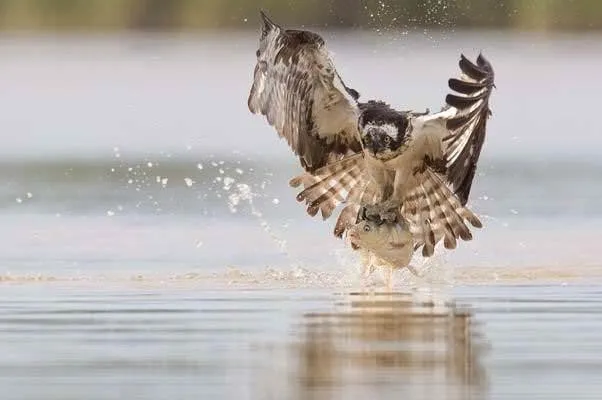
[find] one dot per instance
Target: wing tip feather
(266, 20)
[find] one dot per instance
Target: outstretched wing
(297, 88)
(462, 124)
(433, 211)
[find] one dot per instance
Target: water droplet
(29, 195)
(149, 164)
(110, 213)
(276, 201)
(199, 166)
(188, 181)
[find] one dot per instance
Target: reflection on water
(112, 282)
(104, 342)
(387, 345)
(100, 344)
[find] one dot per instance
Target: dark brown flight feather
(298, 90)
(468, 127)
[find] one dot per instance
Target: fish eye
(367, 228)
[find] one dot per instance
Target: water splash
(243, 192)
(398, 19)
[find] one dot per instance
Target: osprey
(384, 164)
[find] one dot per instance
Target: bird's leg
(387, 211)
(370, 212)
(362, 214)
(391, 215)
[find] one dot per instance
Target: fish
(383, 244)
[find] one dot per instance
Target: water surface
(151, 248)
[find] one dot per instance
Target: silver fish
(383, 244)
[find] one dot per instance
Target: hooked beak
(375, 144)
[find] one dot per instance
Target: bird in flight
(385, 165)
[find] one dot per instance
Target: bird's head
(383, 138)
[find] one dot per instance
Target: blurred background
(143, 207)
(195, 15)
(117, 111)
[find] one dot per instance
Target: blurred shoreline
(194, 15)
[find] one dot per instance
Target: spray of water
(242, 192)
(397, 19)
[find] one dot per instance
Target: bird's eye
(387, 140)
(367, 228)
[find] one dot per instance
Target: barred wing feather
(342, 182)
(468, 125)
(298, 90)
(433, 211)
